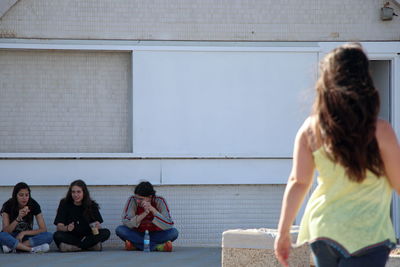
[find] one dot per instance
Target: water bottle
(146, 241)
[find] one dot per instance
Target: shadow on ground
(181, 256)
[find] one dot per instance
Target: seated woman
(146, 211)
(78, 221)
(17, 232)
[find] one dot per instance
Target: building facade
(202, 98)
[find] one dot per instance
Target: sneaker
(6, 249)
(41, 249)
(97, 247)
(129, 246)
(166, 247)
(68, 248)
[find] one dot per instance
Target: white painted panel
(128, 172)
(94, 172)
(220, 171)
(217, 104)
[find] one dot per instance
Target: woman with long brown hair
(347, 218)
(78, 221)
(18, 214)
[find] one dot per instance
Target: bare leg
(22, 246)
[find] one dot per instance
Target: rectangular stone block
(394, 258)
(394, 261)
(255, 248)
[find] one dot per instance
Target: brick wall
(241, 20)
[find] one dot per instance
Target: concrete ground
(181, 256)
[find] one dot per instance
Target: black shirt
(27, 221)
(69, 212)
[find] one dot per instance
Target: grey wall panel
(58, 101)
(201, 213)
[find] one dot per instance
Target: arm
(61, 219)
(41, 224)
(390, 153)
(298, 185)
(129, 217)
(7, 226)
(162, 218)
(65, 228)
(96, 218)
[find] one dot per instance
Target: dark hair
(347, 106)
(145, 189)
(14, 201)
(87, 203)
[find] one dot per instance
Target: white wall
(201, 114)
(157, 171)
(220, 104)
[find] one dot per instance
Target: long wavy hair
(88, 203)
(346, 108)
(14, 202)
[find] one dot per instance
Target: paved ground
(182, 256)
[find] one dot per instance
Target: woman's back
(353, 215)
(358, 165)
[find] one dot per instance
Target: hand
(23, 212)
(146, 212)
(96, 224)
(148, 207)
(20, 236)
(70, 227)
(282, 248)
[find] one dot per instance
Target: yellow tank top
(354, 215)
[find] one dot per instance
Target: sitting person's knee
(174, 234)
(120, 230)
(105, 232)
(4, 234)
(48, 237)
(58, 236)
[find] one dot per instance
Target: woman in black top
(17, 216)
(78, 221)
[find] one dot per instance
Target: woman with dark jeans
(330, 255)
(147, 211)
(347, 219)
(78, 221)
(18, 213)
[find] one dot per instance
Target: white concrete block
(255, 247)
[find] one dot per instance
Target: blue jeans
(10, 241)
(326, 255)
(156, 237)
